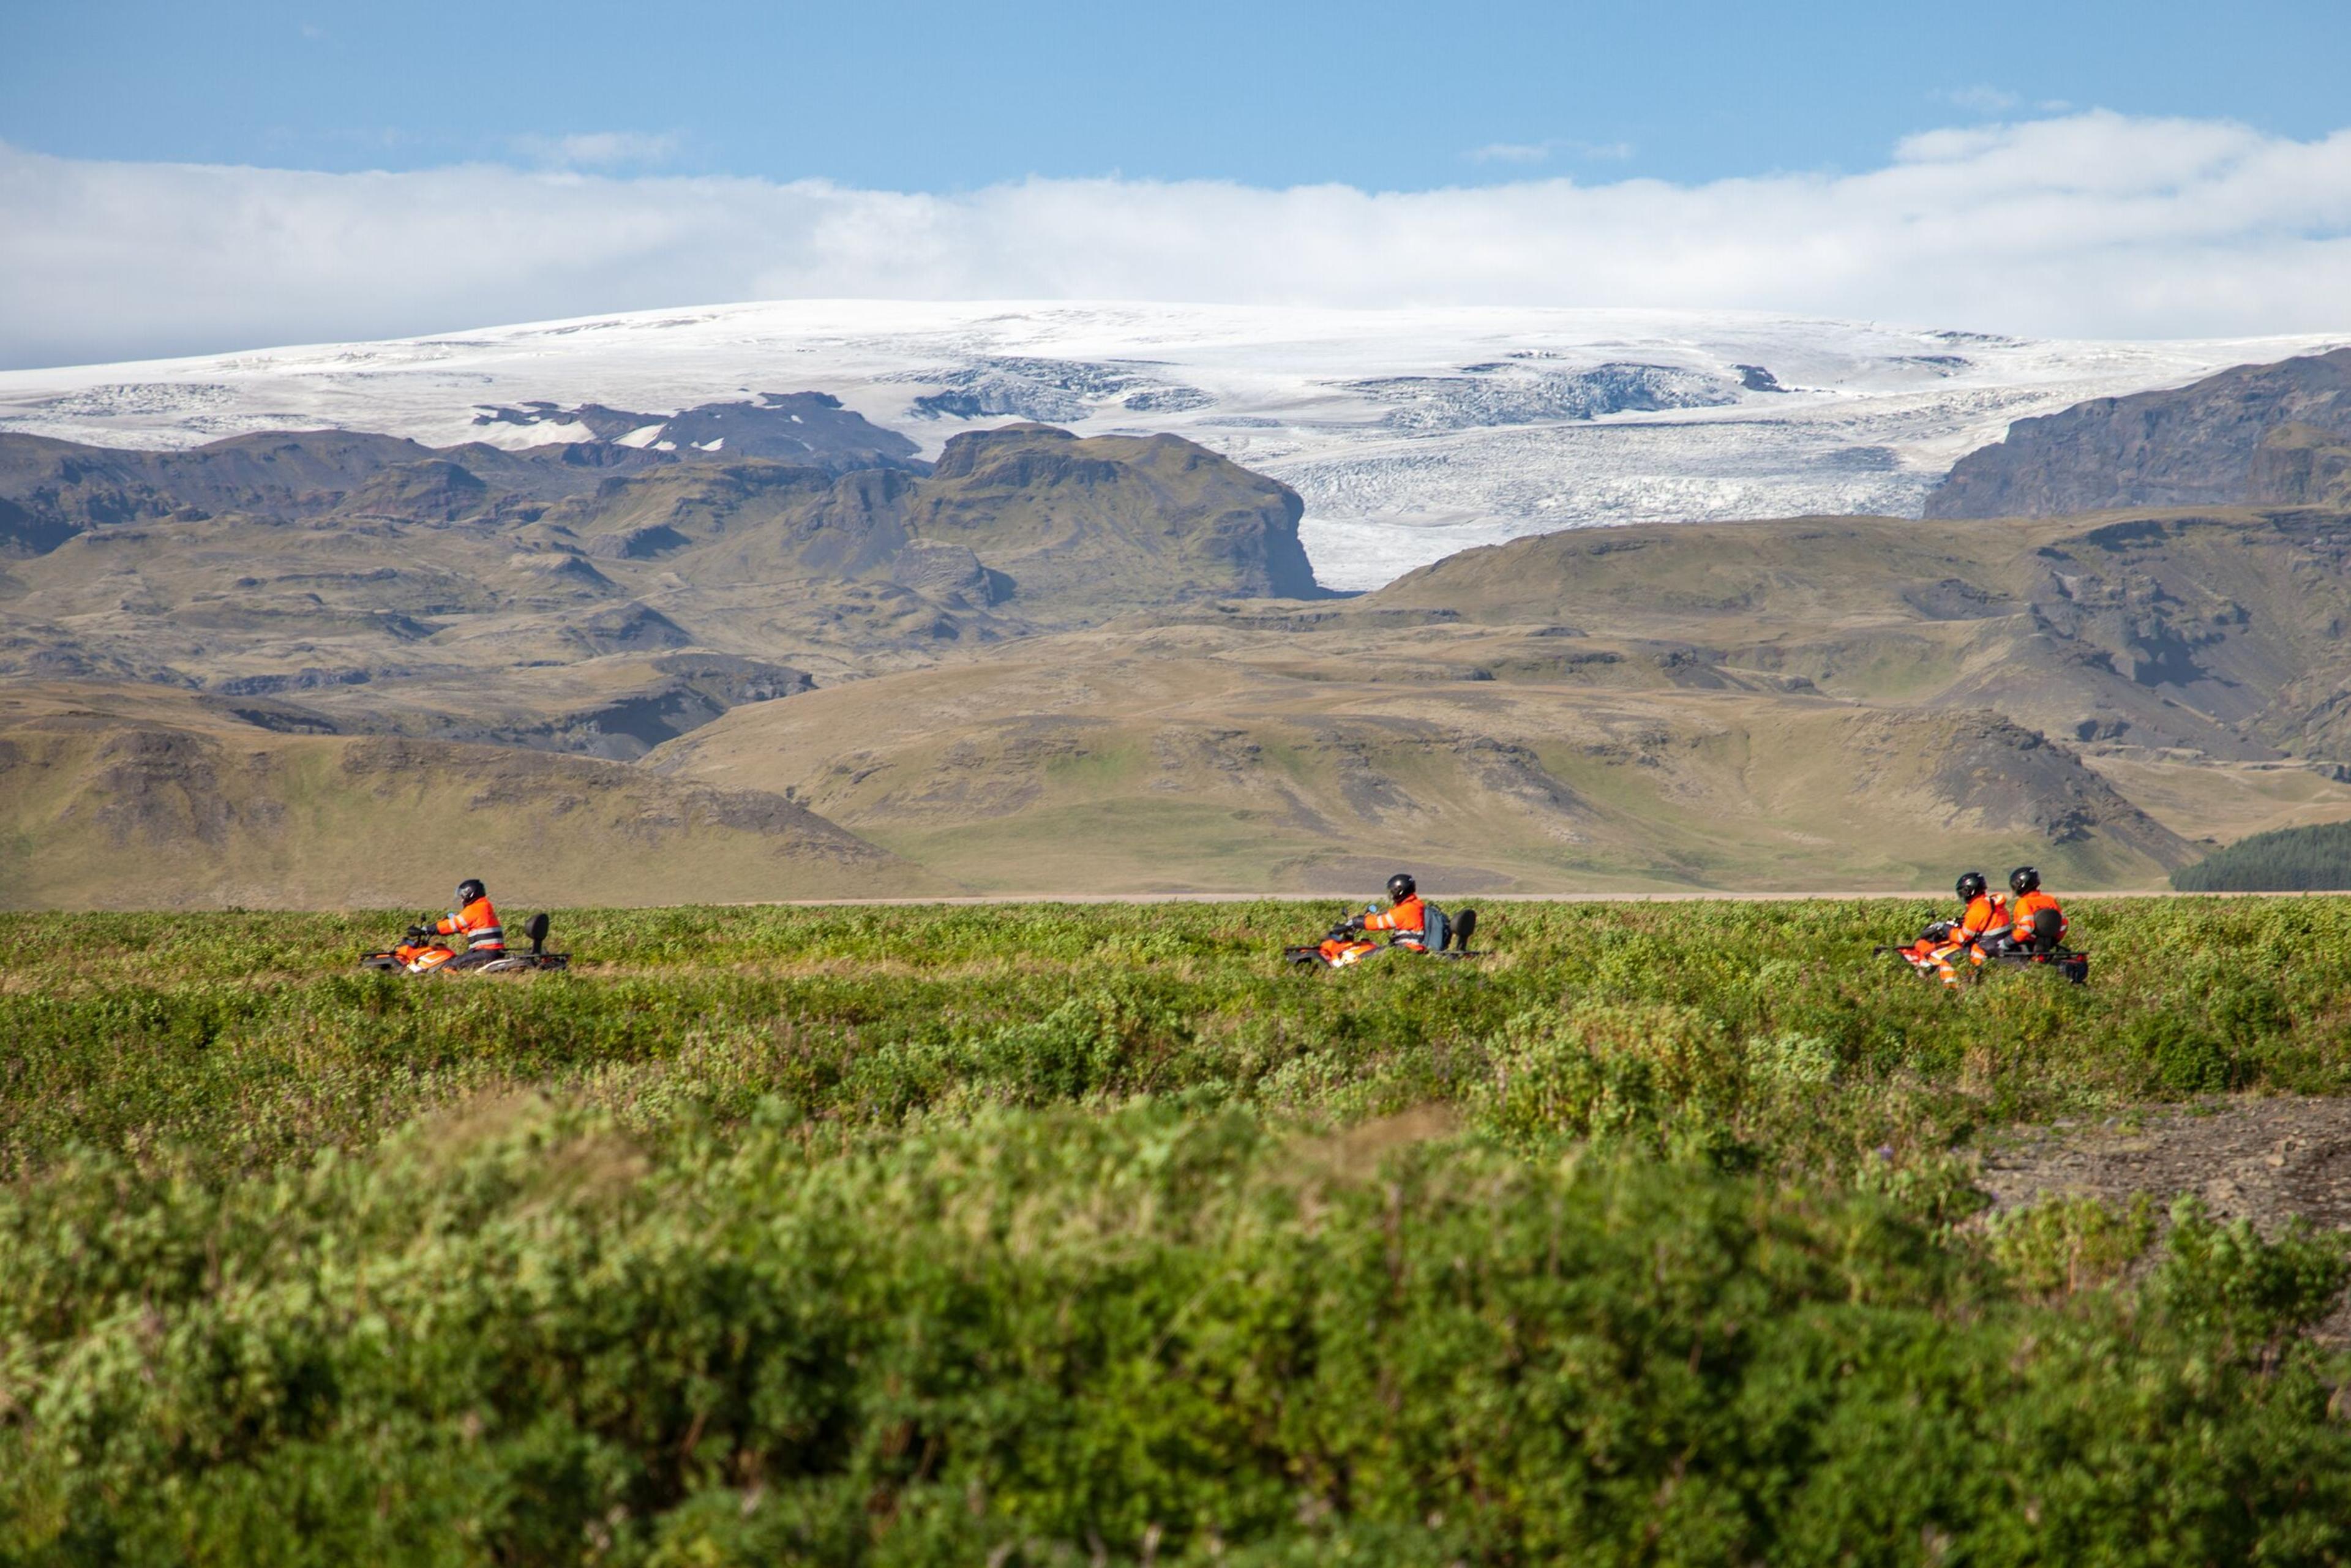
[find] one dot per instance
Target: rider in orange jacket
(1406, 920)
(2024, 911)
(474, 919)
(1983, 919)
(1404, 923)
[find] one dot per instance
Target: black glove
(418, 933)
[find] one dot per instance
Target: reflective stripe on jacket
(1987, 915)
(477, 922)
(1404, 923)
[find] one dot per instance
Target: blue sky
(183, 178)
(944, 97)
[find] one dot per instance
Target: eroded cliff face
(2227, 440)
(536, 597)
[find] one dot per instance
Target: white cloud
(1540, 152)
(1982, 99)
(600, 149)
(2091, 225)
(1509, 153)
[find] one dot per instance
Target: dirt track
(2266, 1159)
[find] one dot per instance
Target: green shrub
(1048, 1234)
(512, 1334)
(228, 1043)
(2062, 1245)
(2228, 1279)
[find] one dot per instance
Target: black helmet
(1973, 886)
(469, 889)
(2023, 880)
(1401, 886)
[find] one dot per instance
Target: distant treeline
(2291, 860)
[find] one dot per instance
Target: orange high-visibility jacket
(2031, 905)
(1986, 912)
(477, 922)
(1406, 922)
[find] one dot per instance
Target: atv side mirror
(536, 931)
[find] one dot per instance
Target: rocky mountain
(2218, 633)
(539, 599)
(807, 429)
(1054, 529)
(2270, 434)
(1049, 663)
(52, 490)
(1410, 434)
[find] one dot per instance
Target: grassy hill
(154, 799)
(1216, 759)
(1815, 704)
(2218, 632)
(1819, 703)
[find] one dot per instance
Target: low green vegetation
(1048, 1234)
(2314, 859)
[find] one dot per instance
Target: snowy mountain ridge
(1411, 433)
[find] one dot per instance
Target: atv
(426, 954)
(2042, 949)
(1347, 942)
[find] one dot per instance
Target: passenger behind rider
(2035, 922)
(474, 919)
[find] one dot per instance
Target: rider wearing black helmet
(1406, 920)
(1983, 916)
(2036, 921)
(477, 921)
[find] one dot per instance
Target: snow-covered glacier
(1411, 433)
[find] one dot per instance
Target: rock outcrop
(2205, 444)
